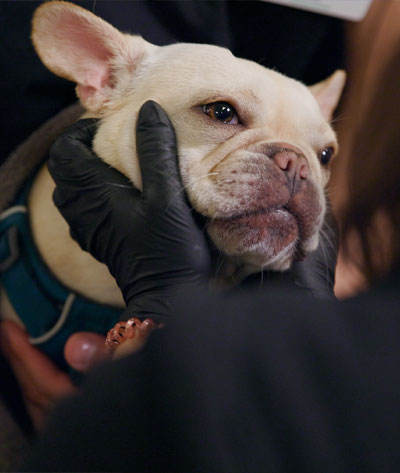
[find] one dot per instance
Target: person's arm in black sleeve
(254, 382)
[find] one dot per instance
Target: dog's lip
(284, 212)
(252, 213)
(250, 220)
(275, 227)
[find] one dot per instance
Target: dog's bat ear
(77, 45)
(328, 92)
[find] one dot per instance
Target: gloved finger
(90, 210)
(74, 145)
(156, 148)
(74, 166)
(317, 271)
(97, 178)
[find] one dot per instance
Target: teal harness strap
(49, 311)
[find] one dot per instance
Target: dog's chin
(267, 238)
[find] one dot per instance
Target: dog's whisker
(325, 238)
(184, 188)
(328, 192)
(332, 190)
(262, 277)
(328, 228)
(339, 118)
(234, 280)
(122, 186)
(219, 266)
(195, 181)
(325, 256)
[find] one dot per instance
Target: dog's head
(254, 145)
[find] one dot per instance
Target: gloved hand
(165, 248)
(317, 271)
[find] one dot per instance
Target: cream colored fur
(125, 72)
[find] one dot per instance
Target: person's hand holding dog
(149, 240)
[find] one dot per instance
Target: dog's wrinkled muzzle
(273, 204)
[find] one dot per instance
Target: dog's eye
(221, 111)
(326, 155)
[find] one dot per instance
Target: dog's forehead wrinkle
(255, 89)
(196, 49)
(189, 58)
(210, 66)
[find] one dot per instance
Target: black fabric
(303, 45)
(259, 381)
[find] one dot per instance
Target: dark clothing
(303, 45)
(263, 380)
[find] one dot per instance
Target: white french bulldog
(254, 145)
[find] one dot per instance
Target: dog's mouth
(262, 215)
(265, 233)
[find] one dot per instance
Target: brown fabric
(21, 162)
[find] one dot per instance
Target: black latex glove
(317, 271)
(164, 249)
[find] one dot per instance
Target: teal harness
(49, 310)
